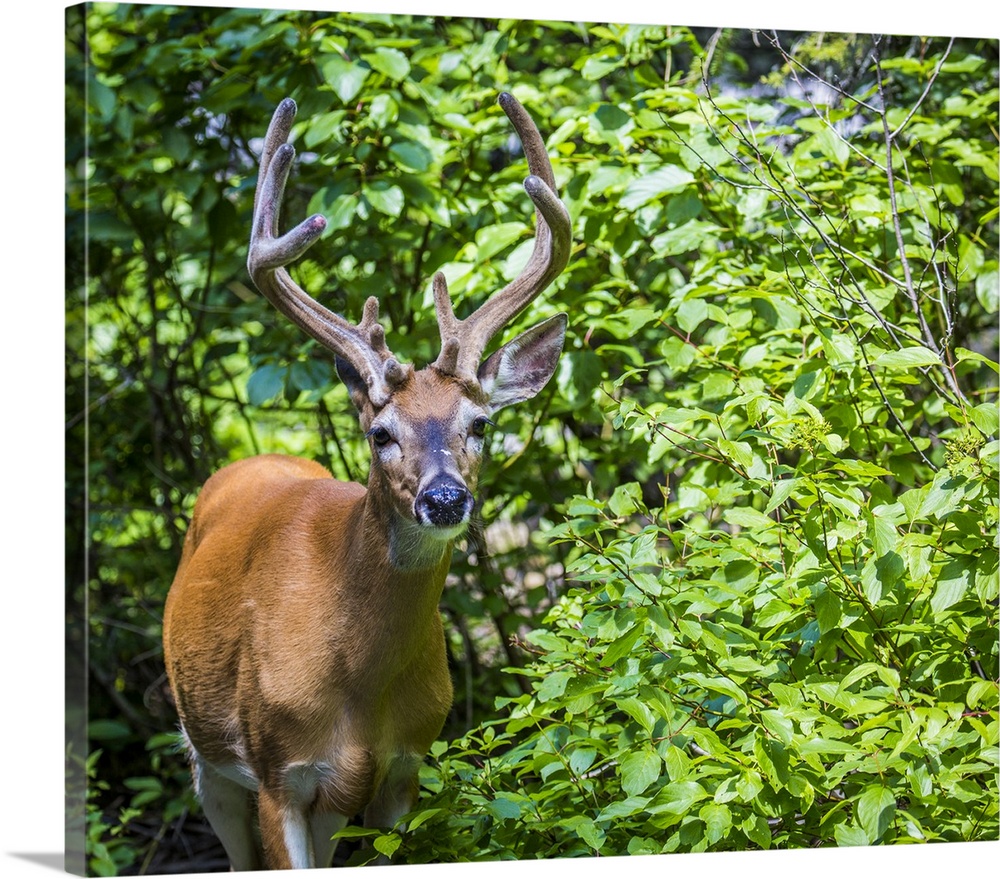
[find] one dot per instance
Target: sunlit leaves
(411, 156)
(384, 197)
(639, 770)
(876, 808)
(655, 184)
(388, 61)
(793, 640)
(907, 358)
(345, 77)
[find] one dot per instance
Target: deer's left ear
(522, 367)
(356, 387)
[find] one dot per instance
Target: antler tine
(363, 345)
(464, 341)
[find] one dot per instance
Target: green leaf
(503, 808)
(827, 746)
(626, 499)
(778, 725)
(757, 830)
(638, 710)
(553, 685)
(690, 313)
(846, 835)
(265, 384)
(310, 375)
(858, 673)
(352, 831)
(981, 691)
(677, 798)
(391, 62)
(608, 117)
(639, 770)
(828, 610)
(988, 290)
(387, 844)
(108, 730)
(496, 237)
(647, 187)
(686, 237)
(596, 67)
(411, 156)
(964, 354)
(342, 213)
(834, 146)
(626, 323)
(459, 123)
(782, 490)
(101, 99)
(747, 517)
(422, 817)
(383, 110)
(987, 579)
(749, 785)
(907, 358)
(623, 808)
(720, 684)
(986, 416)
(590, 833)
(582, 759)
(953, 584)
(943, 496)
(385, 198)
(345, 77)
(876, 808)
(145, 783)
(621, 646)
(718, 821)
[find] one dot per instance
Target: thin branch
(909, 287)
(927, 88)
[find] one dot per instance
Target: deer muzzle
(443, 502)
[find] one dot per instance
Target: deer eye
(380, 435)
(479, 426)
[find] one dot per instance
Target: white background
(31, 432)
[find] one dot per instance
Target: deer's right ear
(522, 367)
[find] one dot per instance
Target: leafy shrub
(784, 635)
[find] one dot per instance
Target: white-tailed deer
(301, 634)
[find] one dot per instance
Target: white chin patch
(443, 532)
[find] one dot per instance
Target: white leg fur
(298, 841)
(227, 806)
(322, 826)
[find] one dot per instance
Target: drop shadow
(52, 860)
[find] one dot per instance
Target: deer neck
(405, 551)
(390, 588)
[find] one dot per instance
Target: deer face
(427, 440)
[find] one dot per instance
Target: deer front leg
(395, 796)
(227, 806)
(284, 831)
(322, 826)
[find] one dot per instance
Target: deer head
(426, 427)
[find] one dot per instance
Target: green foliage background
(741, 588)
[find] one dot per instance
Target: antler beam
(362, 345)
(464, 341)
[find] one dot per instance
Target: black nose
(443, 502)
